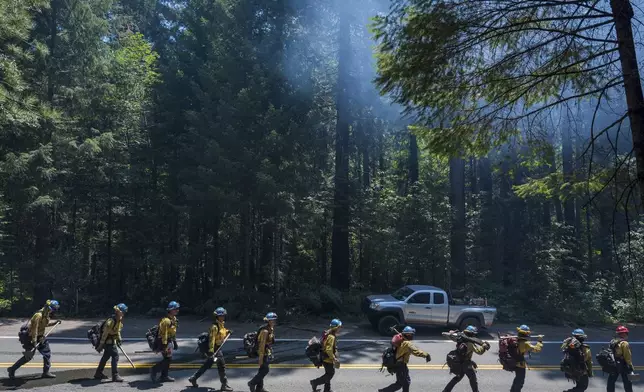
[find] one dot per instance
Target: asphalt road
(74, 361)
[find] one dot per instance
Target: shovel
(126, 356)
(29, 354)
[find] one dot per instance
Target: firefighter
(469, 366)
(265, 340)
(330, 360)
(36, 339)
(525, 347)
(586, 368)
(166, 342)
(623, 359)
(217, 334)
(110, 341)
(403, 352)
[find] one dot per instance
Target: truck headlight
(374, 306)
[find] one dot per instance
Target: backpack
(250, 342)
(23, 335)
(94, 334)
(203, 343)
(606, 359)
(389, 360)
(314, 351)
(509, 355)
(455, 359)
(151, 336)
(572, 363)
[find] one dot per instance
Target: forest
(299, 154)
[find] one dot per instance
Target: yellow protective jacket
(526, 347)
(264, 341)
(330, 348)
(623, 352)
(112, 331)
(217, 335)
(168, 329)
(406, 350)
(473, 348)
(39, 321)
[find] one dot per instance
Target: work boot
(252, 387)
(225, 388)
(153, 375)
(100, 376)
(313, 386)
(12, 373)
(166, 379)
(48, 375)
(117, 378)
(193, 381)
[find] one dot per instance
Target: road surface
(360, 349)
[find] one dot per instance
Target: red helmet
(621, 329)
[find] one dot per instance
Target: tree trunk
(623, 14)
(457, 238)
(567, 158)
(340, 263)
(413, 159)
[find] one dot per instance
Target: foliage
(191, 151)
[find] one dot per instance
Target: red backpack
(396, 340)
(509, 355)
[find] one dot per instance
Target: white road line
(385, 341)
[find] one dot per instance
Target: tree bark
(340, 263)
(413, 159)
(623, 14)
(457, 237)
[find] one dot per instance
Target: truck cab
(419, 305)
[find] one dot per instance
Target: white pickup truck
(418, 305)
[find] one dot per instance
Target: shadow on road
(144, 385)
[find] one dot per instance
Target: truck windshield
(402, 293)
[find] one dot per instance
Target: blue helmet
(408, 331)
(173, 305)
(52, 305)
(578, 333)
(336, 323)
(122, 307)
(471, 330)
(220, 312)
(524, 330)
(270, 316)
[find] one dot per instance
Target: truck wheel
(470, 321)
(385, 324)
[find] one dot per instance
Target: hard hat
(471, 330)
(220, 311)
(122, 307)
(408, 330)
(173, 305)
(335, 323)
(52, 305)
(621, 329)
(270, 316)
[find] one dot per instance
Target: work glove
(100, 347)
(428, 358)
(540, 338)
(486, 346)
(59, 322)
(175, 344)
(631, 369)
